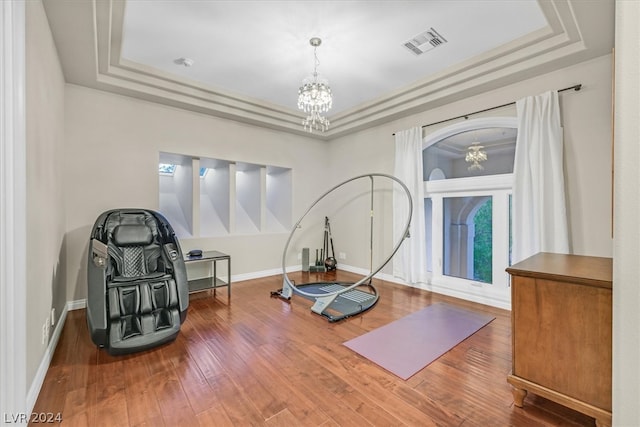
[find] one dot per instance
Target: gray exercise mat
(407, 345)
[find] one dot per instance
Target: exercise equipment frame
(327, 301)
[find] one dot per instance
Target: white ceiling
(251, 56)
(261, 49)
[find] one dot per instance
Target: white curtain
(410, 262)
(539, 210)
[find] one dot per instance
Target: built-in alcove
(215, 197)
(278, 199)
(176, 192)
(249, 198)
(205, 197)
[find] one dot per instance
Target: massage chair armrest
(96, 295)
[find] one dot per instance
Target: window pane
(468, 243)
(478, 152)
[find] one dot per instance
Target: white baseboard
(77, 304)
(41, 373)
(364, 272)
(492, 301)
(263, 273)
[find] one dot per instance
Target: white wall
(111, 161)
(586, 117)
(626, 265)
(46, 288)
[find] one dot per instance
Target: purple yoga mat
(407, 345)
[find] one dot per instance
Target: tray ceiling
(250, 57)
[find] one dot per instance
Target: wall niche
(206, 197)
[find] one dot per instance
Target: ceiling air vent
(425, 41)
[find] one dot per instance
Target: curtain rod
(466, 116)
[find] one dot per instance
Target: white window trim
(498, 293)
(498, 290)
(471, 184)
(481, 123)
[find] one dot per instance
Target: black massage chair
(137, 283)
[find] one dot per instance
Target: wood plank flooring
(260, 361)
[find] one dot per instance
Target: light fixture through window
(475, 155)
(314, 96)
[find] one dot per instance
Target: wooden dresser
(561, 332)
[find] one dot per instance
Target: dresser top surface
(594, 271)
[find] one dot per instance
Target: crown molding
(558, 45)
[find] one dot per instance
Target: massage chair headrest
(132, 235)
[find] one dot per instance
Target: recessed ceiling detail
(425, 41)
(244, 72)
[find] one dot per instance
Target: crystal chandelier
(475, 155)
(314, 96)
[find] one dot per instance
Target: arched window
(468, 173)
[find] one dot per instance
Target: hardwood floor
(260, 361)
